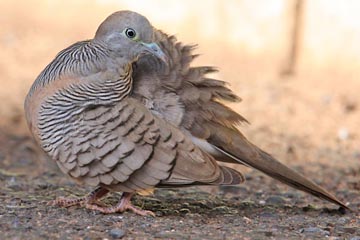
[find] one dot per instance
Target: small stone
(341, 210)
(267, 215)
(14, 184)
(314, 231)
(247, 220)
(184, 210)
(292, 194)
(343, 134)
(334, 238)
(159, 213)
(171, 235)
(343, 220)
(185, 205)
(308, 208)
(355, 238)
(221, 209)
(193, 215)
(347, 229)
(236, 190)
(275, 200)
(117, 233)
(350, 106)
(247, 203)
(203, 204)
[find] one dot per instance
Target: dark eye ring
(130, 33)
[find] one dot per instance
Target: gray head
(130, 34)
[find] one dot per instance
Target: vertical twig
(295, 37)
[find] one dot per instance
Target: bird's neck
(73, 83)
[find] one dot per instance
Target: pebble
(343, 220)
(268, 215)
(117, 233)
(347, 229)
(184, 210)
(170, 235)
(275, 200)
(314, 230)
(247, 220)
(221, 209)
(193, 215)
(343, 134)
(145, 225)
(236, 190)
(293, 195)
(14, 184)
(355, 238)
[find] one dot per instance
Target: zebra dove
(126, 112)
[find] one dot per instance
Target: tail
(248, 154)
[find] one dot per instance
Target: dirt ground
(259, 209)
(309, 121)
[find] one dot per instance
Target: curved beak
(155, 50)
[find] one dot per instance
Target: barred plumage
(80, 58)
(131, 130)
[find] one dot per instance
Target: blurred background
(295, 63)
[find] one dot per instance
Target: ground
(259, 209)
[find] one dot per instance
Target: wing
(198, 103)
(125, 147)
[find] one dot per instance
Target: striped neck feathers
(80, 59)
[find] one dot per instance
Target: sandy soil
(259, 209)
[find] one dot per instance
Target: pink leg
(123, 205)
(91, 198)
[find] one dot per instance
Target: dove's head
(130, 35)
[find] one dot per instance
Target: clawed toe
(92, 202)
(120, 208)
(140, 211)
(123, 205)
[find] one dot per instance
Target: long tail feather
(244, 152)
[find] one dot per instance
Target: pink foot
(123, 205)
(92, 198)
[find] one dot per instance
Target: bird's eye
(130, 33)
